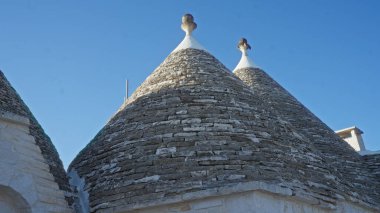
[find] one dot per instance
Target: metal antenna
(126, 89)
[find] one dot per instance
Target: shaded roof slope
(335, 151)
(191, 128)
(11, 102)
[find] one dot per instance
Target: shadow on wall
(12, 202)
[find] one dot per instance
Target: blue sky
(69, 59)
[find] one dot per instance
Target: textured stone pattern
(10, 101)
(191, 127)
(373, 164)
(335, 151)
(25, 170)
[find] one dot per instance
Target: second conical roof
(336, 152)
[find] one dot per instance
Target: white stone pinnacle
(188, 25)
(245, 61)
(189, 42)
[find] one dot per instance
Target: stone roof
(359, 177)
(373, 163)
(193, 127)
(11, 102)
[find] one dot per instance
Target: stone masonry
(25, 172)
(10, 102)
(334, 150)
(193, 127)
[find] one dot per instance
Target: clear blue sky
(69, 59)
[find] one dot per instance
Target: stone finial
(244, 46)
(188, 24)
(245, 61)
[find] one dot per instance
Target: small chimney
(352, 136)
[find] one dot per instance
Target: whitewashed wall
(252, 202)
(24, 170)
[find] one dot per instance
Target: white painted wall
(12, 202)
(24, 170)
(251, 202)
(353, 136)
(355, 141)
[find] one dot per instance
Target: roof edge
(357, 130)
(282, 190)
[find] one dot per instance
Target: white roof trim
(189, 42)
(245, 62)
(349, 129)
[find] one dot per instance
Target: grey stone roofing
(194, 127)
(355, 170)
(373, 164)
(11, 102)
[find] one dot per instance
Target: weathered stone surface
(373, 164)
(199, 128)
(11, 102)
(358, 176)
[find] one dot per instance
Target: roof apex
(188, 25)
(245, 61)
(189, 42)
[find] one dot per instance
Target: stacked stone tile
(10, 102)
(359, 180)
(373, 164)
(193, 128)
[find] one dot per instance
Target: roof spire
(188, 25)
(245, 61)
(243, 46)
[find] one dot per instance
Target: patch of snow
(189, 42)
(245, 62)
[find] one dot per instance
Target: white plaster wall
(355, 139)
(7, 204)
(12, 202)
(353, 143)
(251, 202)
(24, 169)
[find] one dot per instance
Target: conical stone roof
(193, 130)
(11, 102)
(334, 150)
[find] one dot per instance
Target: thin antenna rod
(126, 89)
